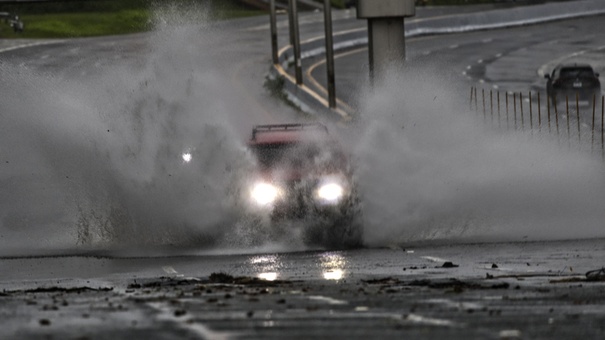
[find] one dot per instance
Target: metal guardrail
(513, 110)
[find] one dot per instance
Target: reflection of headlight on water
(335, 274)
(333, 265)
(330, 192)
(268, 276)
(264, 193)
(187, 157)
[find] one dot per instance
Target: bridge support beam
(386, 34)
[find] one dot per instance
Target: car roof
(562, 66)
(288, 133)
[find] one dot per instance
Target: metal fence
(583, 122)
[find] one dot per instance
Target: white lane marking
(426, 52)
(463, 73)
(12, 48)
(171, 271)
(469, 67)
(488, 40)
(329, 300)
(480, 61)
(454, 304)
(481, 81)
(44, 56)
(434, 259)
(454, 46)
(498, 55)
(415, 318)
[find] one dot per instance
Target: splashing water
(431, 171)
(99, 161)
(141, 155)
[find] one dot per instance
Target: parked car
(302, 173)
(569, 80)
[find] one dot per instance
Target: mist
(431, 170)
(97, 161)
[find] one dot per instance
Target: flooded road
(536, 290)
(100, 215)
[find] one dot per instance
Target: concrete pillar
(386, 34)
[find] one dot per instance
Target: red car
(302, 173)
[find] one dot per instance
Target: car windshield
(577, 72)
(297, 155)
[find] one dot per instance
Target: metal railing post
(556, 117)
(476, 105)
(578, 117)
(521, 106)
(297, 60)
(531, 118)
(329, 54)
(567, 116)
(498, 96)
(548, 111)
(515, 108)
(506, 100)
(594, 104)
(491, 105)
(483, 98)
(273, 20)
(539, 113)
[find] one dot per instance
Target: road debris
(596, 275)
(449, 264)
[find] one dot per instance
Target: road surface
(91, 124)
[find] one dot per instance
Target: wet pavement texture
(526, 290)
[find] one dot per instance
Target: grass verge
(72, 25)
(110, 17)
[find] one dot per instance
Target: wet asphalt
(508, 290)
(516, 290)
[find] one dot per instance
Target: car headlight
(330, 192)
(264, 193)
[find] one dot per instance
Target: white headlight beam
(264, 193)
(330, 192)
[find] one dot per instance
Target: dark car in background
(571, 82)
